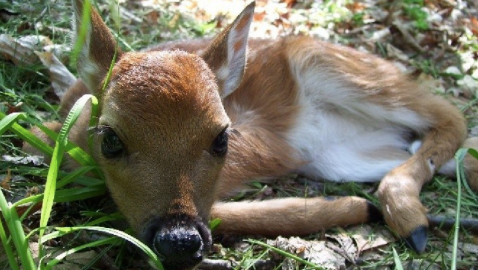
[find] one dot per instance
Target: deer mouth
(181, 242)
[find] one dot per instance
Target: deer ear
(98, 46)
(226, 55)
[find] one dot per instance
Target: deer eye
(111, 145)
(219, 145)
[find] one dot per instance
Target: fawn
(185, 124)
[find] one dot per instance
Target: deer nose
(179, 246)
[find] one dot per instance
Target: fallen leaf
(313, 251)
(346, 246)
(453, 70)
(33, 160)
(22, 209)
(470, 248)
(431, 83)
(60, 77)
(395, 53)
(474, 25)
(290, 3)
(34, 249)
(368, 238)
(468, 85)
(5, 184)
(20, 51)
(356, 6)
(417, 264)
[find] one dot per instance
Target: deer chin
(180, 241)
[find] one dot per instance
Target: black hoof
(418, 238)
(374, 214)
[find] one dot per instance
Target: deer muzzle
(180, 242)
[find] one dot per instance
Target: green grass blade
(460, 176)
(8, 120)
(12, 261)
(396, 259)
(101, 242)
(120, 234)
(68, 195)
(57, 157)
(213, 224)
(88, 181)
(110, 217)
(474, 154)
(71, 177)
(73, 150)
(77, 194)
(14, 225)
(83, 31)
(31, 199)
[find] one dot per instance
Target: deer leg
(292, 216)
(471, 164)
(399, 190)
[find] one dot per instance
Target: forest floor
(435, 41)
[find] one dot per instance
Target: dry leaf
(474, 25)
(468, 85)
(33, 160)
(346, 246)
(34, 249)
(470, 248)
(60, 77)
(367, 238)
(74, 261)
(429, 82)
(315, 252)
(396, 53)
(356, 6)
(20, 51)
(5, 184)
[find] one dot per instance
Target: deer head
(162, 133)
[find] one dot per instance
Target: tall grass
(79, 185)
(14, 239)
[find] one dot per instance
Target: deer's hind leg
(400, 189)
(471, 164)
(375, 91)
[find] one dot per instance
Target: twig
(209, 264)
(407, 37)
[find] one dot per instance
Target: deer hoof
(417, 240)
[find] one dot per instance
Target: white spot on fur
(414, 146)
(222, 73)
(87, 72)
(431, 165)
(387, 207)
(448, 168)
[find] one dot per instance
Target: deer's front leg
(292, 216)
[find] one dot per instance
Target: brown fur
(167, 106)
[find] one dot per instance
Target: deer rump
(184, 124)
